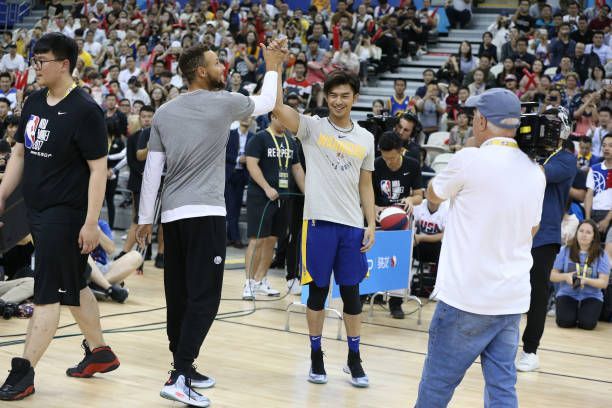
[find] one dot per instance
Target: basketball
(393, 219)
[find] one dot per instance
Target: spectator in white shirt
(99, 34)
(93, 48)
(135, 92)
(130, 70)
(598, 47)
(60, 23)
(5, 89)
(12, 61)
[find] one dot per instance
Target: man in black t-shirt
(136, 171)
(397, 182)
(274, 166)
(522, 20)
(60, 159)
(141, 154)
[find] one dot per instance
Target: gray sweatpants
(16, 291)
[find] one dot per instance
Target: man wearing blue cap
(483, 287)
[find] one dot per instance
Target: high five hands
(275, 52)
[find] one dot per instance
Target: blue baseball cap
(499, 106)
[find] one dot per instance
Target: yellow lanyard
(280, 160)
(74, 85)
(506, 143)
(552, 155)
(582, 270)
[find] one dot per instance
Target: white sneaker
(295, 287)
(176, 390)
(248, 293)
(264, 288)
(527, 361)
(551, 312)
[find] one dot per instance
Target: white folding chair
(438, 139)
(441, 161)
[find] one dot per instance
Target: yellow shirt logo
(342, 146)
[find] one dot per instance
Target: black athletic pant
(109, 196)
(295, 237)
(543, 260)
(193, 276)
(572, 313)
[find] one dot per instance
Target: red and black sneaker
(20, 382)
(98, 360)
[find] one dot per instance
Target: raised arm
(288, 116)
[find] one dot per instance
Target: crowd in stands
(556, 53)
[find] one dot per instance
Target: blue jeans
(456, 338)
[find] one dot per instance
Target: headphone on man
(409, 116)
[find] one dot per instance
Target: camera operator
(397, 182)
(481, 296)
(409, 130)
(560, 170)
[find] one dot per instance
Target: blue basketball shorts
(327, 247)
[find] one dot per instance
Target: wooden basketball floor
(258, 364)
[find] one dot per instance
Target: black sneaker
(317, 374)
(353, 367)
(98, 360)
(20, 382)
(159, 261)
(395, 307)
(117, 293)
(8, 310)
(200, 380)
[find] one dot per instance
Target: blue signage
(389, 263)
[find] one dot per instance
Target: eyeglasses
(38, 63)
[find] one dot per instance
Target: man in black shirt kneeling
(397, 182)
(60, 158)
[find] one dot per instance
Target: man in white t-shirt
(12, 61)
(482, 287)
(598, 47)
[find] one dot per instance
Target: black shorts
(275, 220)
(59, 272)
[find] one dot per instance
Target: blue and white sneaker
(200, 380)
(317, 374)
(178, 388)
(353, 367)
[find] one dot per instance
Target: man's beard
(217, 85)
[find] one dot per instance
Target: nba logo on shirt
(30, 131)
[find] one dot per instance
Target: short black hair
(112, 95)
(5, 100)
(389, 140)
(11, 120)
(61, 46)
(605, 109)
(191, 59)
(147, 108)
(338, 78)
(396, 80)
(522, 39)
(300, 62)
(5, 74)
(605, 137)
